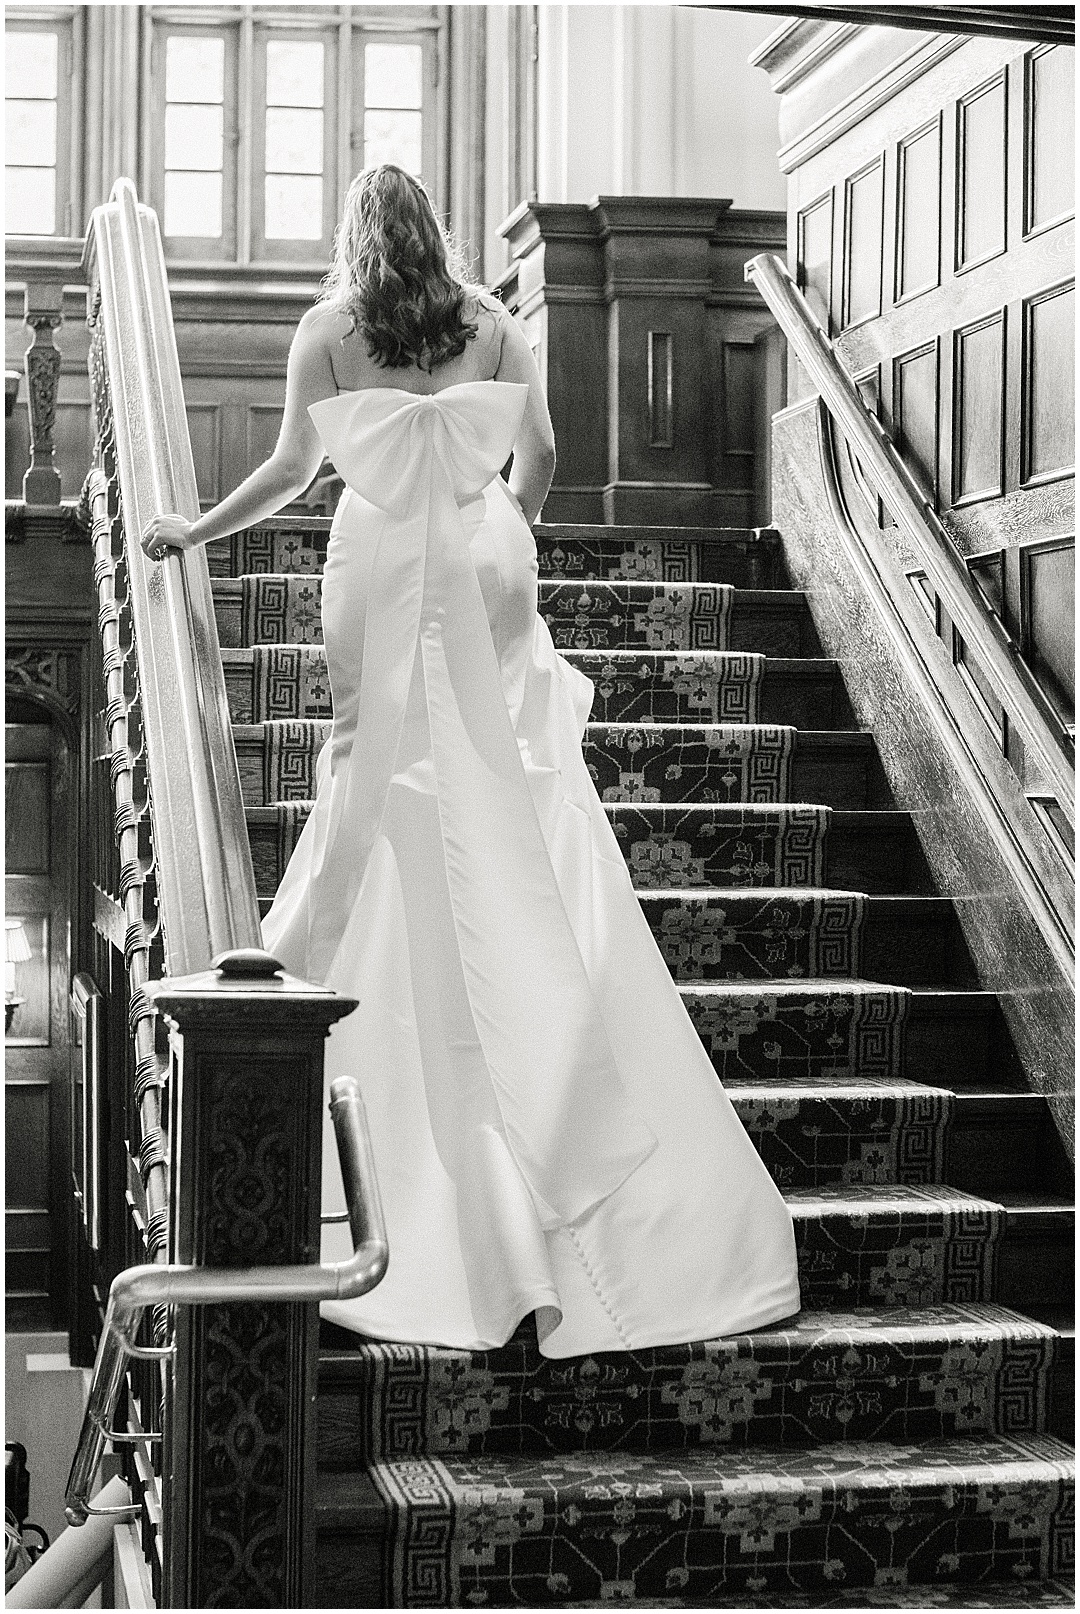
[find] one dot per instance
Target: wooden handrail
(1046, 737)
(206, 883)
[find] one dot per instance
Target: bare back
(354, 370)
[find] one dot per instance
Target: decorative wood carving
(245, 1118)
(54, 676)
(43, 314)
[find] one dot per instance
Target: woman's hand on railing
(163, 533)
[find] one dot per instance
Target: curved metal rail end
(137, 1288)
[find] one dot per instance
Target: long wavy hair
(396, 273)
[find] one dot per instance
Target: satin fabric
(548, 1132)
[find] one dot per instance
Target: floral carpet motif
(748, 935)
(951, 1369)
(289, 682)
(290, 545)
(655, 762)
(841, 1132)
(638, 560)
(281, 609)
(645, 616)
(891, 1246)
(536, 1532)
(652, 686)
(801, 1031)
(668, 847)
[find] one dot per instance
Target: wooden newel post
(246, 1117)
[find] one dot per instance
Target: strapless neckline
(405, 392)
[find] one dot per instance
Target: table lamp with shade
(17, 952)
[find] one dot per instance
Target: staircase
(902, 1443)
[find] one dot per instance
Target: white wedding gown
(548, 1132)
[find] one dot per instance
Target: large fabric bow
(560, 1094)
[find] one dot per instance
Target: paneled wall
(645, 333)
(233, 330)
(931, 226)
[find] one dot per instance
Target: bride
(549, 1134)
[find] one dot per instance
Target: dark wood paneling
(815, 230)
(26, 820)
(864, 197)
(660, 389)
(980, 179)
(606, 293)
(918, 211)
(1049, 136)
(26, 1151)
(74, 446)
(915, 412)
(263, 426)
(740, 378)
(978, 446)
(204, 429)
(1048, 615)
(1049, 409)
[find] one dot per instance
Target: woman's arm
(534, 451)
(290, 468)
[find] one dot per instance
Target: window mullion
(244, 135)
(344, 107)
(147, 104)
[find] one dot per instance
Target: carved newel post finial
(43, 314)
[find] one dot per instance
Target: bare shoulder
(483, 305)
(322, 326)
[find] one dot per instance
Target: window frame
(343, 29)
(365, 34)
(286, 249)
(197, 248)
(62, 22)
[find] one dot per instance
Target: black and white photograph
(539, 817)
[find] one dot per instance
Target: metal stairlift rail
(1046, 737)
(152, 1285)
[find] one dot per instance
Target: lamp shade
(18, 948)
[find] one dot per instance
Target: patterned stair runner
(897, 1444)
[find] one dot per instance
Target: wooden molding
(1017, 833)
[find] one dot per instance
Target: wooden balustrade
(211, 1146)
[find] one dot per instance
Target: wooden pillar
(644, 331)
(245, 1131)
